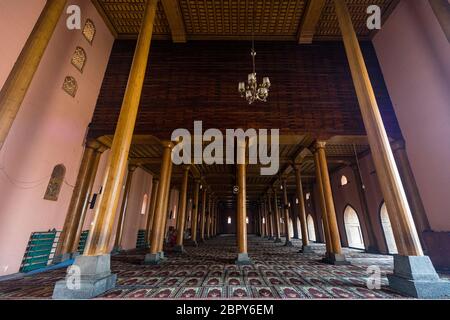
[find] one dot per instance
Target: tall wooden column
(271, 219)
(68, 241)
(301, 209)
(16, 86)
(123, 210)
(405, 233)
(203, 216)
(154, 256)
(371, 246)
(286, 214)
(100, 234)
(241, 223)
(336, 256)
(323, 207)
(166, 212)
(151, 209)
(208, 218)
(181, 219)
(277, 216)
(194, 222)
(411, 189)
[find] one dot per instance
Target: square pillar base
(415, 276)
(277, 240)
(91, 277)
(153, 258)
(288, 243)
(307, 249)
(179, 249)
(335, 259)
(243, 259)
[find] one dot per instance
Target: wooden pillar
(79, 203)
(241, 223)
(123, 209)
(151, 209)
(160, 214)
(208, 218)
(411, 189)
(98, 241)
(16, 86)
(336, 256)
(286, 214)
(301, 207)
(271, 214)
(405, 233)
(323, 207)
(166, 212)
(277, 217)
(181, 219)
(194, 221)
(203, 216)
(371, 246)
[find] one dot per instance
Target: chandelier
(252, 91)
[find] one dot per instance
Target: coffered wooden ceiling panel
(233, 19)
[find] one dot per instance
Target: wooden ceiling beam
(175, 19)
(310, 20)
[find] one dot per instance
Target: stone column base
(179, 249)
(277, 240)
(288, 243)
(335, 259)
(154, 258)
(89, 277)
(307, 249)
(243, 259)
(415, 276)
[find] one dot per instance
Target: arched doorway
(353, 229)
(311, 228)
(387, 229)
(299, 228)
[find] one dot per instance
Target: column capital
(93, 144)
(167, 144)
(319, 145)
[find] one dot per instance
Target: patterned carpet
(209, 272)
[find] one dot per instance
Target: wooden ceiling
(146, 152)
(285, 20)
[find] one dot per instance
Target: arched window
(311, 228)
(79, 59)
(229, 220)
(89, 31)
(299, 228)
(70, 86)
(246, 220)
(387, 229)
(344, 181)
(55, 183)
(308, 196)
(291, 228)
(353, 229)
(144, 205)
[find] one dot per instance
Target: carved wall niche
(79, 59)
(89, 31)
(55, 183)
(70, 86)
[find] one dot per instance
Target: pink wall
(414, 55)
(44, 134)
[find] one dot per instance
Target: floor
(209, 272)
